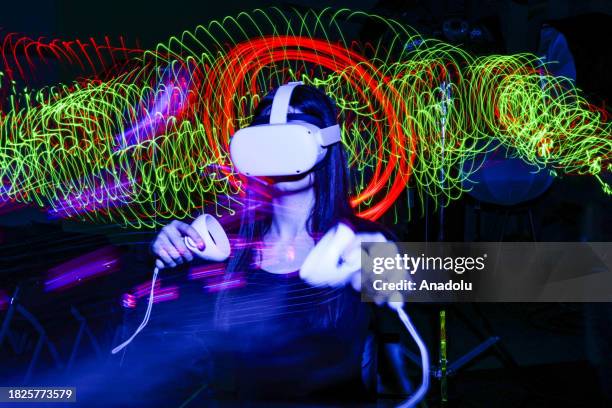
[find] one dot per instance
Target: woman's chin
(291, 184)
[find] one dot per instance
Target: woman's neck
(291, 212)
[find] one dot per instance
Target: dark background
(548, 355)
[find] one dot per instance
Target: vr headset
(279, 148)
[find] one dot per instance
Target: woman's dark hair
(331, 178)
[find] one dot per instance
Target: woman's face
(292, 184)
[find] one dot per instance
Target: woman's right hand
(169, 245)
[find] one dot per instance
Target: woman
(275, 335)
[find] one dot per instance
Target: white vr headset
(279, 148)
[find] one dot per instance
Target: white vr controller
(334, 259)
(217, 249)
(214, 236)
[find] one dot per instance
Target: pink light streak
(166, 294)
(4, 300)
(142, 291)
(83, 268)
(207, 271)
(220, 285)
